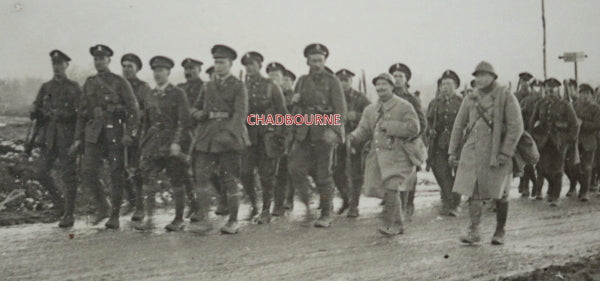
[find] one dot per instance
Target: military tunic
(528, 103)
(356, 103)
(165, 121)
(589, 114)
(107, 105)
(312, 151)
(267, 141)
(441, 114)
(56, 109)
(553, 126)
(192, 89)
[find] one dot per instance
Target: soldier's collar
(163, 86)
(223, 78)
(58, 78)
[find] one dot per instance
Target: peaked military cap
(586, 87)
(275, 66)
(252, 56)
(132, 58)
(58, 56)
(223, 52)
(345, 73)
(210, 70)
(536, 82)
(485, 66)
(385, 76)
(525, 76)
(452, 75)
(288, 73)
(191, 62)
(101, 50)
(552, 82)
(401, 67)
(161, 61)
(316, 48)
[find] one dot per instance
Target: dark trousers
(94, 154)
(582, 172)
(177, 171)
(550, 167)
(312, 158)
(529, 175)
(341, 177)
(67, 171)
(226, 166)
(284, 191)
(255, 159)
(443, 173)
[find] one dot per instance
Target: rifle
(130, 171)
(432, 141)
(567, 95)
(364, 79)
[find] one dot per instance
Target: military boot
(222, 206)
(101, 213)
(138, 214)
(149, 223)
(190, 195)
(265, 215)
(391, 215)
(233, 202)
(475, 212)
(68, 219)
(289, 198)
(177, 223)
(116, 200)
(345, 203)
(501, 215)
(325, 219)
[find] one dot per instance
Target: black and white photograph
(300, 140)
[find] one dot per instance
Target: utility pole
(544, 44)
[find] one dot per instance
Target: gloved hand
(199, 115)
(453, 161)
(127, 140)
(175, 149)
(503, 159)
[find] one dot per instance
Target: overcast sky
(429, 36)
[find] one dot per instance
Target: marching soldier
(483, 141)
(265, 98)
(441, 114)
(356, 103)
(107, 121)
(528, 104)
(280, 77)
(312, 148)
(55, 107)
(282, 177)
(402, 75)
(132, 64)
(165, 122)
(553, 125)
(221, 137)
(589, 113)
(523, 88)
(389, 123)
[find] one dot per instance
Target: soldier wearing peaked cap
(523, 88)
(282, 176)
(387, 124)
(268, 141)
(54, 110)
(275, 71)
(192, 69)
(312, 148)
(221, 137)
(356, 103)
(553, 126)
(441, 114)
(402, 75)
(165, 122)
(490, 123)
(107, 120)
(131, 65)
(589, 113)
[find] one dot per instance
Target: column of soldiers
(196, 132)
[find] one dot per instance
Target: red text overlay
(293, 119)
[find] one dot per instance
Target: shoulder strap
(481, 113)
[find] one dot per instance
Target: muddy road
(537, 236)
